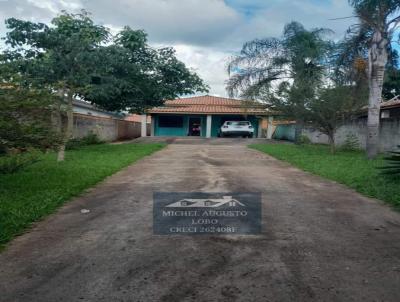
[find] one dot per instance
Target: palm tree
(379, 20)
(284, 72)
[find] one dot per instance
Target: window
(170, 121)
(385, 114)
(235, 123)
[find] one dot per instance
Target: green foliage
(351, 143)
(391, 85)
(284, 72)
(59, 56)
(25, 119)
(333, 107)
(349, 168)
(392, 167)
(90, 139)
(38, 190)
(304, 140)
(76, 57)
(12, 163)
(133, 76)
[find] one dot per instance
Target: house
(204, 114)
(85, 108)
(391, 109)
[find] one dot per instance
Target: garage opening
(194, 126)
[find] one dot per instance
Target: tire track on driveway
(320, 240)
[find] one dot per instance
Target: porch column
(144, 126)
(259, 130)
(152, 125)
(208, 126)
(269, 129)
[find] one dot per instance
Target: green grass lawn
(34, 192)
(349, 168)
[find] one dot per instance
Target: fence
(389, 134)
(107, 129)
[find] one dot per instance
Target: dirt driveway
(320, 241)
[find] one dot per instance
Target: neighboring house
(86, 108)
(391, 109)
(206, 113)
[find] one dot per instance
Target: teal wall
(183, 131)
(216, 123)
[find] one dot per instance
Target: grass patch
(347, 167)
(38, 190)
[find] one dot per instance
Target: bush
(392, 167)
(90, 139)
(304, 140)
(12, 163)
(351, 143)
(25, 119)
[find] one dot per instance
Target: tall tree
(134, 76)
(58, 56)
(74, 57)
(284, 72)
(379, 20)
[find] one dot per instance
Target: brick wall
(108, 129)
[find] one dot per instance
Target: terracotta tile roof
(210, 105)
(395, 102)
(136, 118)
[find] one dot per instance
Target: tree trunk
(69, 127)
(58, 124)
(61, 153)
(56, 118)
(70, 117)
(331, 139)
(298, 131)
(378, 57)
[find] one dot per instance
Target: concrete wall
(389, 133)
(108, 129)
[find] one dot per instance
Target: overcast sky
(205, 33)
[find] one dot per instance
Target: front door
(194, 126)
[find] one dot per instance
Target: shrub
(90, 139)
(393, 164)
(12, 163)
(304, 140)
(25, 119)
(351, 143)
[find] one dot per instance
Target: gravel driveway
(320, 240)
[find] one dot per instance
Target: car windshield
(237, 123)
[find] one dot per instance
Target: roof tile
(210, 104)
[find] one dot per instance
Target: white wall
(389, 134)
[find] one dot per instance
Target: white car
(236, 128)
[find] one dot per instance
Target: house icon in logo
(206, 203)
